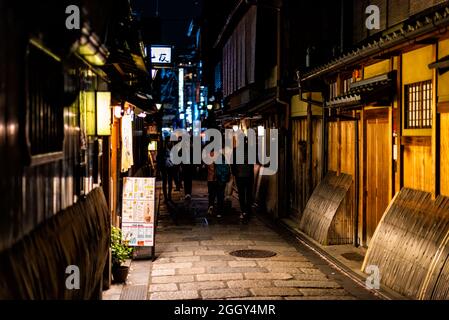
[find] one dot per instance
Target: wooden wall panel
(418, 173)
(377, 172)
(30, 194)
(317, 152)
(299, 194)
(299, 135)
(444, 165)
(333, 146)
(347, 147)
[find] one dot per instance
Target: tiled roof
(361, 91)
(410, 30)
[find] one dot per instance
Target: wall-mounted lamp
(158, 106)
(142, 115)
(235, 128)
(209, 107)
(104, 113)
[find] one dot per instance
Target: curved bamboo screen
(410, 246)
(35, 267)
(328, 217)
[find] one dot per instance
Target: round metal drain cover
(253, 253)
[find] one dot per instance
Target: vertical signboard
(138, 211)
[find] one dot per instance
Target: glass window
(418, 105)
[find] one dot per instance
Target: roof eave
(440, 19)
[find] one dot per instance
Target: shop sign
(138, 213)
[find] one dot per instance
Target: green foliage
(120, 251)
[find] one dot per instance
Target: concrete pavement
(193, 261)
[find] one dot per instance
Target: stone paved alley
(193, 261)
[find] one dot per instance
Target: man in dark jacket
(165, 167)
(244, 177)
(222, 176)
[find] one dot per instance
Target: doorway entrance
(376, 169)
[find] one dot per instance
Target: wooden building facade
(250, 74)
(256, 54)
(384, 112)
(56, 203)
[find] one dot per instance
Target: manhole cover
(253, 253)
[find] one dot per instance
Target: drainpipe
(278, 73)
(285, 182)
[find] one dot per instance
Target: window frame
(41, 153)
(418, 131)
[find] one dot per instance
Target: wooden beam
(399, 160)
(356, 180)
(338, 146)
(363, 177)
(390, 155)
(309, 148)
(339, 90)
(391, 141)
(435, 132)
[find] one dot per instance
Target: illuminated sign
(88, 112)
(138, 211)
(196, 128)
(181, 89)
(161, 55)
(104, 117)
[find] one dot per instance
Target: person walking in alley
(211, 184)
(188, 170)
(165, 167)
(177, 177)
(222, 176)
(244, 177)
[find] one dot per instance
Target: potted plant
(120, 253)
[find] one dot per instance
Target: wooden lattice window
(418, 105)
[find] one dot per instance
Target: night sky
(175, 15)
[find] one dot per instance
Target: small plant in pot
(120, 253)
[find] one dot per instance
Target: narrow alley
(178, 150)
(194, 260)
